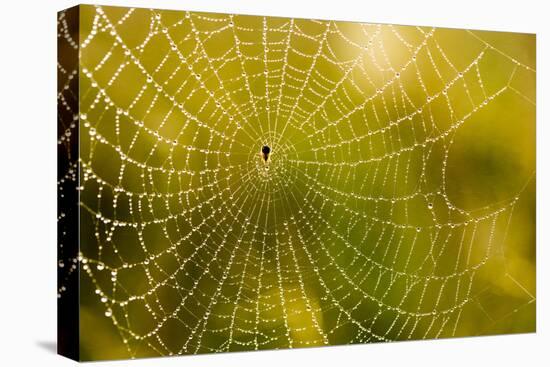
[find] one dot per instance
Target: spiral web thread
(195, 244)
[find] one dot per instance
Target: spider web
(192, 243)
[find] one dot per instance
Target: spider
(265, 152)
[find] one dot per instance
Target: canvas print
(240, 183)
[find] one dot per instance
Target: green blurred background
(398, 202)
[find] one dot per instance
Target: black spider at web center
(265, 151)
